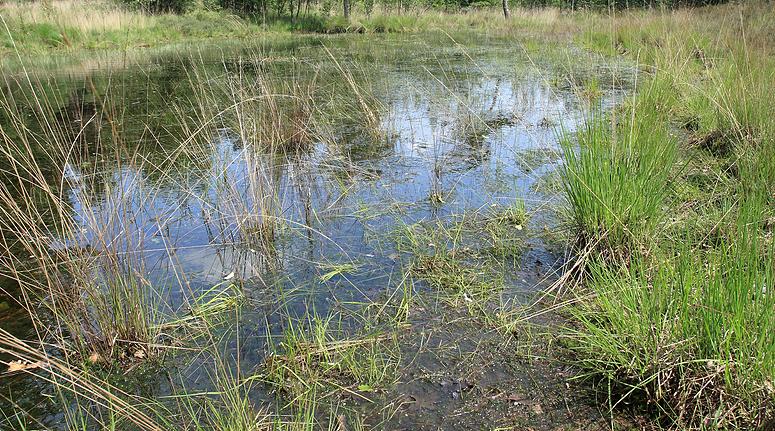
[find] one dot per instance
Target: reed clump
(67, 255)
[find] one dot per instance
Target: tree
(347, 9)
(506, 12)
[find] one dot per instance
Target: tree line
(291, 8)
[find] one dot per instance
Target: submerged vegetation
(308, 360)
(360, 232)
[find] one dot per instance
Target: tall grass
(71, 253)
(688, 331)
(76, 230)
(682, 323)
(99, 15)
(616, 174)
(65, 25)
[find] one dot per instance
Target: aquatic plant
(316, 356)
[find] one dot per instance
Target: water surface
(463, 126)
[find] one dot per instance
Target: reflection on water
(224, 206)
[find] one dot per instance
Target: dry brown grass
(89, 15)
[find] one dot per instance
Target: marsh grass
(78, 203)
(77, 389)
(616, 175)
(76, 232)
(65, 25)
(689, 331)
(676, 309)
(317, 356)
(276, 121)
(90, 398)
(66, 13)
(457, 260)
(93, 291)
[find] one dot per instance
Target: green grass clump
(504, 227)
(447, 256)
(616, 179)
(513, 215)
(444, 271)
(692, 332)
(464, 260)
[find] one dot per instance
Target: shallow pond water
(460, 127)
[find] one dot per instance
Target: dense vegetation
(287, 6)
(674, 199)
(69, 25)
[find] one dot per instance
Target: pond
(399, 189)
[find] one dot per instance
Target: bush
(161, 6)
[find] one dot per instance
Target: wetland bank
(558, 221)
